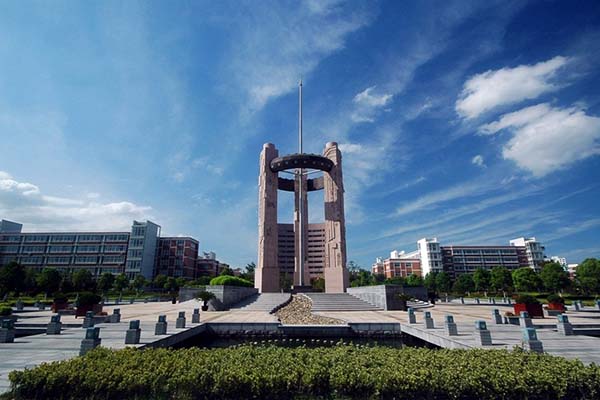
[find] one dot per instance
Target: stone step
(338, 302)
(263, 302)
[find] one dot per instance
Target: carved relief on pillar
(267, 270)
(336, 274)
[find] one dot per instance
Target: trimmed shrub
(88, 299)
(339, 372)
(526, 299)
(5, 311)
(227, 280)
(554, 298)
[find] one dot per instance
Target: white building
(430, 254)
(535, 250)
(560, 260)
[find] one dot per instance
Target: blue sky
(476, 122)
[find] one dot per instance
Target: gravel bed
(298, 312)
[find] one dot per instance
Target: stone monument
(267, 274)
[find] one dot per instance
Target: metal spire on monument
(302, 198)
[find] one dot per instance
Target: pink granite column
(335, 271)
(266, 278)
(297, 233)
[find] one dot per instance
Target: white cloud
(478, 160)
(367, 104)
(25, 203)
(547, 138)
(277, 44)
(206, 164)
(490, 89)
(432, 199)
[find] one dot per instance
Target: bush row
(343, 371)
(227, 280)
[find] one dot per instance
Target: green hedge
(5, 310)
(340, 372)
(230, 281)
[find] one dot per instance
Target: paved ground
(32, 350)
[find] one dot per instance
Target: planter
(556, 306)
(82, 310)
(205, 308)
(59, 305)
(534, 310)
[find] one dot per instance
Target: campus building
(286, 249)
(459, 259)
(140, 251)
(400, 264)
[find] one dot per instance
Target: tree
(159, 281)
(12, 278)
(429, 282)
(83, 280)
(172, 284)
(49, 280)
(318, 284)
(500, 279)
(464, 283)
(588, 275)
(525, 279)
(138, 283)
(226, 270)
(30, 284)
(396, 280)
(248, 274)
(481, 278)
(120, 282)
(554, 277)
(414, 280)
(443, 282)
(105, 282)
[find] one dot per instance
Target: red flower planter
(534, 310)
(556, 306)
(82, 310)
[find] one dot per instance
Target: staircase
(263, 302)
(339, 302)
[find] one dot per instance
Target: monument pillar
(301, 200)
(266, 277)
(335, 271)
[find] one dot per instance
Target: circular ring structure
(305, 161)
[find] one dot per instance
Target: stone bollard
(196, 316)
(180, 321)
(115, 317)
(581, 306)
(564, 326)
(428, 320)
(412, 318)
(41, 306)
(88, 321)
(462, 300)
(132, 300)
(524, 320)
(55, 326)
(132, 336)
(7, 331)
(509, 301)
(91, 341)
(450, 326)
(489, 300)
(505, 300)
(161, 325)
(576, 305)
(482, 334)
(597, 304)
(530, 342)
(447, 299)
(493, 300)
(19, 305)
(477, 300)
(497, 317)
